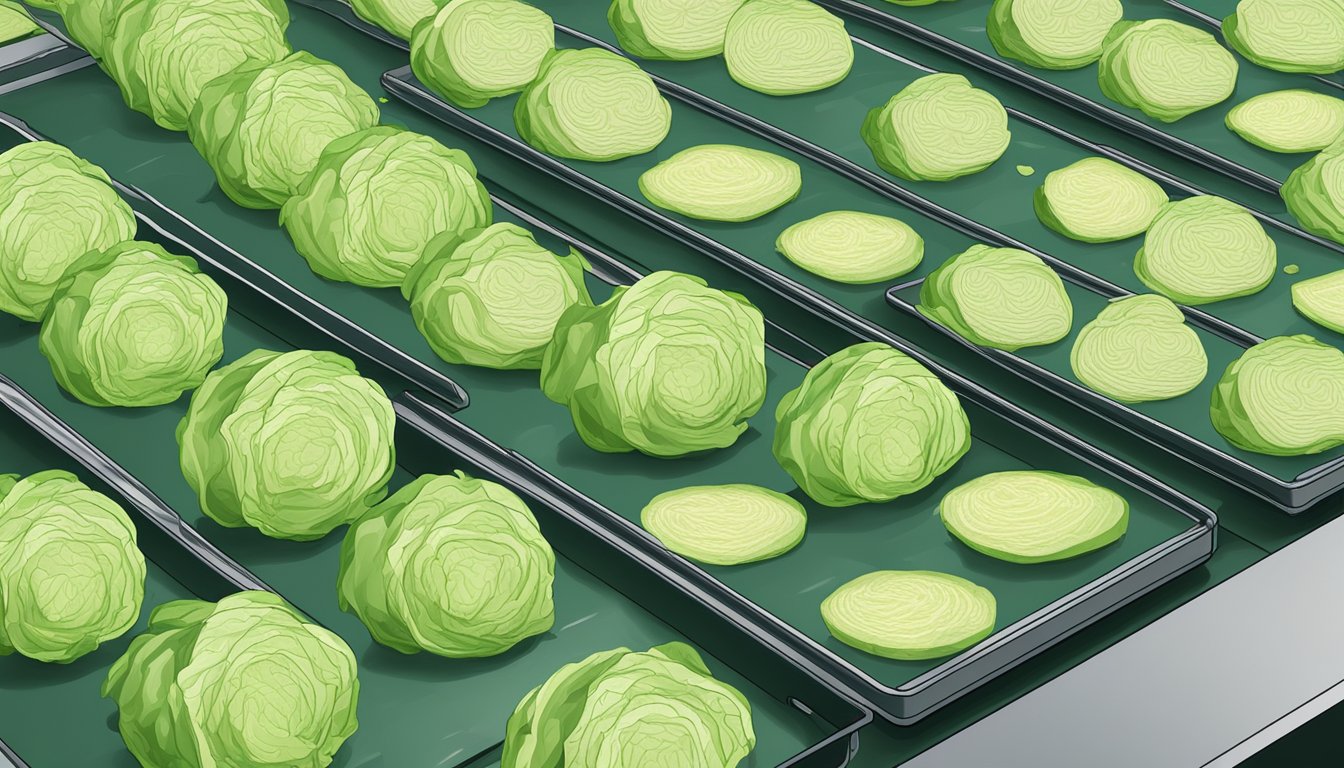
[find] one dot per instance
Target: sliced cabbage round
(910, 615)
(592, 104)
(1289, 121)
(677, 30)
(1097, 200)
(1321, 300)
(477, 50)
(721, 182)
(54, 208)
(1314, 193)
(1139, 349)
(398, 17)
(1052, 34)
(1204, 249)
(162, 53)
(1289, 35)
(784, 47)
(725, 524)
(1034, 516)
(998, 297)
(492, 297)
(15, 23)
(1283, 397)
(937, 128)
(1165, 69)
(852, 247)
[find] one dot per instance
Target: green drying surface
(999, 197)
(964, 23)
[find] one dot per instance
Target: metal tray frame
(908, 703)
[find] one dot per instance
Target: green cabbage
(1052, 34)
(1283, 397)
(451, 565)
(1034, 516)
(785, 47)
(937, 128)
(54, 208)
(71, 576)
(667, 366)
(263, 126)
(7, 483)
(852, 247)
(592, 104)
(162, 53)
(910, 615)
(678, 30)
(293, 444)
(133, 325)
(1314, 193)
(1139, 349)
(1165, 69)
(1097, 200)
(1289, 121)
(477, 50)
(15, 23)
(245, 682)
(620, 708)
(400, 17)
(1289, 35)
(492, 297)
(1321, 300)
(998, 297)
(869, 424)
(375, 200)
(1205, 249)
(722, 182)
(725, 524)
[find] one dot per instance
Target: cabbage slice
(722, 182)
(1204, 249)
(1139, 349)
(1165, 69)
(1289, 121)
(998, 297)
(592, 104)
(477, 50)
(1097, 200)
(852, 247)
(398, 17)
(1321, 300)
(784, 47)
(910, 615)
(1034, 516)
(1314, 193)
(1289, 35)
(676, 30)
(725, 524)
(1052, 34)
(937, 128)
(1283, 397)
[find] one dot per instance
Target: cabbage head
(54, 208)
(71, 575)
(133, 325)
(492, 297)
(246, 682)
(867, 424)
(293, 444)
(162, 53)
(376, 199)
(667, 366)
(451, 565)
(262, 127)
(620, 708)
(398, 17)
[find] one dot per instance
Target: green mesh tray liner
(958, 29)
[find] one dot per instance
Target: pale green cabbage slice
(1097, 200)
(910, 615)
(786, 47)
(725, 524)
(937, 128)
(1139, 349)
(1205, 249)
